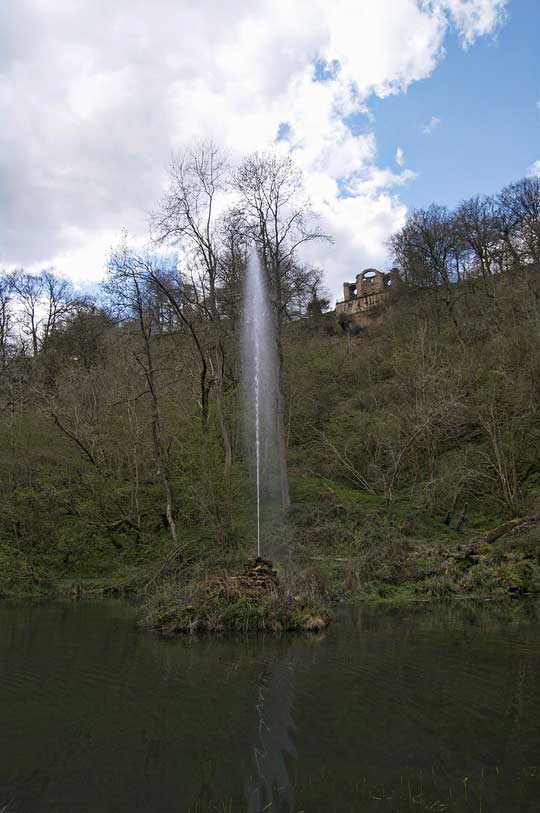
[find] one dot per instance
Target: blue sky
(487, 101)
(94, 101)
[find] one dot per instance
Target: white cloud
(534, 170)
(431, 125)
(475, 19)
(374, 180)
(94, 97)
(400, 157)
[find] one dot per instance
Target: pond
(429, 707)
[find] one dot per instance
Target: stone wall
(361, 298)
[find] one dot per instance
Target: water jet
(260, 375)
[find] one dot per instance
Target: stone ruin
(362, 298)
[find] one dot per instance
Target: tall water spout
(260, 379)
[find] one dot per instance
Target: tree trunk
(282, 451)
(225, 434)
(280, 429)
(156, 438)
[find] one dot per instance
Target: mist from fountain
(260, 382)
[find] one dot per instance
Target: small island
(253, 601)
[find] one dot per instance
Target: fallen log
(471, 555)
(505, 528)
(496, 533)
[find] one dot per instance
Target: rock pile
(259, 575)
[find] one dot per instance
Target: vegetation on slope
(120, 421)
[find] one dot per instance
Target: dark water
(423, 709)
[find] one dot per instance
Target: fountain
(260, 381)
(257, 598)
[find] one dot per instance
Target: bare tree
(60, 303)
(6, 321)
(318, 296)
(234, 241)
(131, 288)
(519, 209)
(29, 290)
(46, 302)
(278, 219)
(188, 215)
(428, 252)
(476, 224)
(170, 286)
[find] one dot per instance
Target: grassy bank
(367, 549)
(338, 545)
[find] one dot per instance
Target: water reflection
(271, 787)
(424, 708)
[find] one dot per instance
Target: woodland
(412, 445)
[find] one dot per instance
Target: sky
(386, 105)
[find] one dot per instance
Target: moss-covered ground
(337, 545)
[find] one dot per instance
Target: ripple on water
(384, 711)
